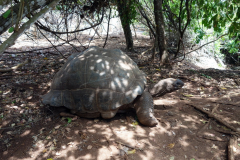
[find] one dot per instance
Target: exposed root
(211, 115)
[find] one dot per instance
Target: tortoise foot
(144, 110)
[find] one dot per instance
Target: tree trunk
(123, 10)
(30, 5)
(160, 31)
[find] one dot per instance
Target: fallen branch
(16, 67)
(232, 143)
(211, 115)
(232, 104)
(146, 51)
(128, 145)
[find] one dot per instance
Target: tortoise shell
(96, 80)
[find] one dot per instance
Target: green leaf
(11, 30)
(69, 120)
(58, 7)
(201, 3)
(6, 14)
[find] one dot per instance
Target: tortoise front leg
(145, 110)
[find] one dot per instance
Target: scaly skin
(144, 104)
(145, 110)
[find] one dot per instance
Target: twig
(207, 43)
(51, 43)
(128, 145)
(109, 18)
(147, 51)
(15, 35)
(16, 67)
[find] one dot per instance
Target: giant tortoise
(99, 82)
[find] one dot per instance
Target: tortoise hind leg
(145, 110)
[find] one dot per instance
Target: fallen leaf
(35, 138)
(203, 121)
(58, 126)
(171, 145)
(89, 147)
(54, 141)
(68, 129)
(214, 146)
(135, 123)
(45, 150)
(131, 152)
(225, 128)
(188, 95)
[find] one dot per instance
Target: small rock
(169, 113)
(89, 147)
(68, 129)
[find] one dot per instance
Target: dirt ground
(195, 123)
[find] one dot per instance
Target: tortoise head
(165, 86)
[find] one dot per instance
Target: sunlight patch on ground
(165, 101)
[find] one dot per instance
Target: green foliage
(204, 75)
(69, 120)
(217, 47)
(1, 116)
(130, 11)
(220, 15)
(11, 29)
(233, 46)
(200, 34)
(6, 14)
(58, 7)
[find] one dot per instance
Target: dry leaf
(188, 95)
(135, 123)
(171, 145)
(131, 152)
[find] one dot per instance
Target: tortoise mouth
(178, 84)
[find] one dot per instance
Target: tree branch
(208, 43)
(25, 26)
